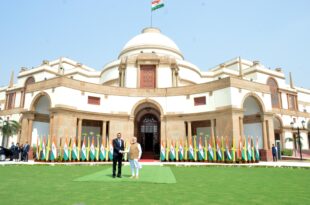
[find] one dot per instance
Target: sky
(208, 32)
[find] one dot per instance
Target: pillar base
(265, 155)
(30, 153)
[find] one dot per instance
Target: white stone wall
(110, 74)
(239, 94)
(131, 75)
(164, 77)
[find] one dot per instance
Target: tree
(296, 140)
(8, 129)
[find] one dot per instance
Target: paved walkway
(304, 164)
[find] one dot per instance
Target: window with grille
(275, 95)
(200, 100)
(10, 103)
(291, 102)
(93, 100)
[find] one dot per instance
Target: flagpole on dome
(155, 4)
(151, 18)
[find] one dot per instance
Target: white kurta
(135, 162)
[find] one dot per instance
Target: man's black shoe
(119, 176)
(113, 176)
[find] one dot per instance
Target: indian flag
(157, 4)
(172, 152)
(218, 150)
(48, 148)
(111, 152)
(92, 150)
(241, 149)
(102, 152)
(66, 150)
(191, 152)
(201, 154)
(43, 149)
(38, 149)
(257, 157)
(74, 150)
(249, 150)
(227, 150)
(210, 150)
(83, 156)
(54, 150)
(181, 152)
(162, 152)
(97, 149)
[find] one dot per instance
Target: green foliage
(9, 128)
(287, 152)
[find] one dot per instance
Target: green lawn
(192, 185)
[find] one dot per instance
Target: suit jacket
(26, 148)
(274, 150)
(117, 147)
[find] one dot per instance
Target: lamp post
(298, 134)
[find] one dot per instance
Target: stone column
(189, 129)
(163, 130)
(51, 125)
(265, 134)
(241, 132)
(212, 128)
(104, 131)
(24, 129)
(29, 136)
(173, 77)
(79, 129)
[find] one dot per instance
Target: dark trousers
(25, 157)
(117, 159)
(274, 156)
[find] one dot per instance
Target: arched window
(275, 95)
(29, 81)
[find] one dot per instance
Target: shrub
(287, 152)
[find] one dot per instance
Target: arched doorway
(41, 122)
(252, 119)
(147, 129)
(148, 135)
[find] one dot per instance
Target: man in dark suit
(274, 153)
(12, 151)
(118, 147)
(25, 151)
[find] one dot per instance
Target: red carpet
(149, 160)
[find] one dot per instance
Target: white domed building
(151, 92)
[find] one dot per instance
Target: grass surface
(195, 185)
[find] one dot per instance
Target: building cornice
(294, 113)
(150, 47)
(255, 70)
(158, 92)
(12, 111)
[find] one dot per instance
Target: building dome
(151, 40)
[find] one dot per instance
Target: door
(147, 76)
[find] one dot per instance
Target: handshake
(122, 151)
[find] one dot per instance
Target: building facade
(151, 92)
